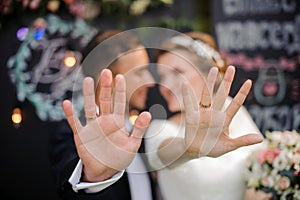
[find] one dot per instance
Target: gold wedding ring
(204, 106)
(91, 117)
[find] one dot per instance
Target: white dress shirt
(139, 183)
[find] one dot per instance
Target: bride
(187, 168)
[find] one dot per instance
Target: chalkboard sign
(262, 39)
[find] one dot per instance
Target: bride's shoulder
(163, 128)
(163, 123)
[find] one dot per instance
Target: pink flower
(282, 156)
(283, 183)
(84, 9)
(268, 155)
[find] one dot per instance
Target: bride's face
(173, 70)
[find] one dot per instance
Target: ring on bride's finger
(204, 106)
(91, 117)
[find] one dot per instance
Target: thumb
(246, 140)
(140, 126)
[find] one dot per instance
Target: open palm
(207, 125)
(103, 144)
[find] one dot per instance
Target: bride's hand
(207, 126)
(103, 144)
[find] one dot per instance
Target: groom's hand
(103, 144)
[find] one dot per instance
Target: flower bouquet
(275, 166)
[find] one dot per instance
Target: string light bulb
(133, 116)
(16, 116)
(70, 59)
(53, 5)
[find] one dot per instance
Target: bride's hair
(219, 60)
(104, 49)
(201, 51)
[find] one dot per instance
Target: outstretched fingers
(224, 88)
(196, 123)
(89, 99)
(238, 101)
(120, 96)
(189, 100)
(206, 98)
(139, 128)
(191, 113)
(105, 92)
(71, 117)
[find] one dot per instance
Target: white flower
(267, 181)
(253, 181)
(266, 169)
(253, 176)
(283, 183)
(275, 136)
(284, 194)
(281, 162)
(289, 138)
(297, 194)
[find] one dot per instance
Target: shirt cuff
(91, 187)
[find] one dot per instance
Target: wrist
(102, 175)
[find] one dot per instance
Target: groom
(79, 173)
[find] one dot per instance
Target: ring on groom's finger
(205, 106)
(91, 117)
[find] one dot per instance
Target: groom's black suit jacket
(64, 158)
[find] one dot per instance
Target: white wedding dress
(204, 178)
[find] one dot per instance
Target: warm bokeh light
(53, 5)
(133, 116)
(70, 59)
(16, 117)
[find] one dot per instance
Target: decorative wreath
(39, 69)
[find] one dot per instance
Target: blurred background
(40, 43)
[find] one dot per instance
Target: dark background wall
(24, 169)
(262, 39)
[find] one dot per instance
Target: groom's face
(133, 66)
